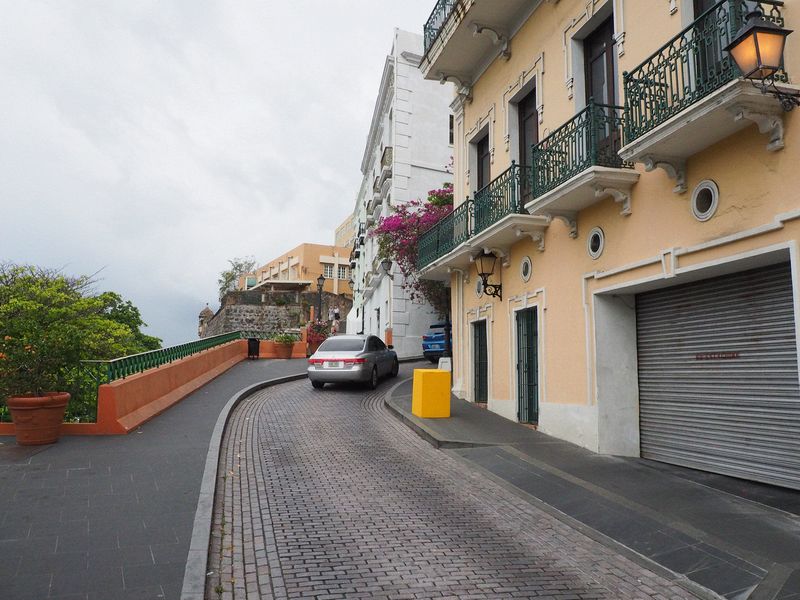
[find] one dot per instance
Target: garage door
(718, 386)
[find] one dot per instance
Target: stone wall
(250, 317)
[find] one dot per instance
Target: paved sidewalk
(111, 517)
(737, 538)
(325, 494)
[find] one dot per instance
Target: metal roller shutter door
(718, 385)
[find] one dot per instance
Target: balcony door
(484, 162)
(601, 87)
(709, 36)
(528, 137)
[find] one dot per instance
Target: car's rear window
(341, 345)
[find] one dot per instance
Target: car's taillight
(354, 361)
(314, 361)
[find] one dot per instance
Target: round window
(479, 287)
(596, 242)
(526, 268)
(705, 200)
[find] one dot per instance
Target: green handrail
(454, 228)
(119, 368)
(436, 21)
(689, 67)
(500, 198)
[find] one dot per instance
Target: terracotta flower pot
(283, 350)
(37, 419)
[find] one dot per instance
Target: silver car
(352, 358)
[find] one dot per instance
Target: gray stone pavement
(740, 539)
(325, 494)
(111, 517)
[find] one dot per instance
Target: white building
(408, 150)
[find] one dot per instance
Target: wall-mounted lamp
(757, 49)
(386, 265)
(351, 283)
(485, 264)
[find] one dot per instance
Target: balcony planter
(37, 419)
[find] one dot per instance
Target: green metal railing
(502, 197)
(435, 23)
(689, 67)
(591, 138)
(445, 235)
(119, 368)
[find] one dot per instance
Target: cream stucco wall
(580, 300)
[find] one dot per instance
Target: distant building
(304, 264)
(346, 232)
(408, 148)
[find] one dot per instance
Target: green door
(527, 366)
(480, 355)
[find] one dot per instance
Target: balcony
(578, 165)
(494, 220)
(462, 35)
(688, 95)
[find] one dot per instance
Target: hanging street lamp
(386, 265)
(757, 49)
(485, 263)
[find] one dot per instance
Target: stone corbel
(502, 253)
(619, 38)
(568, 219)
(463, 88)
(537, 236)
(674, 168)
(620, 196)
(673, 6)
(770, 124)
(498, 39)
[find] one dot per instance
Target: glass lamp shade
(320, 281)
(485, 265)
(758, 48)
(386, 265)
(351, 283)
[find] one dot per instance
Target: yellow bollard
(430, 397)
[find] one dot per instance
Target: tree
(228, 278)
(398, 239)
(50, 322)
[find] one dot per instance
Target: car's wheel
(395, 368)
(373, 379)
(318, 385)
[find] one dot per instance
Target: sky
(150, 141)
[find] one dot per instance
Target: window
(484, 162)
(343, 272)
(596, 242)
(598, 51)
(452, 137)
(327, 271)
(705, 200)
(528, 135)
(337, 344)
(526, 268)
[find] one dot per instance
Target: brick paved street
(326, 495)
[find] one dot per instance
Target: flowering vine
(398, 239)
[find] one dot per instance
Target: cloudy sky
(152, 140)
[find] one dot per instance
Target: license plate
(332, 364)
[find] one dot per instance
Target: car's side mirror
(390, 347)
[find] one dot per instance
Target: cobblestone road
(326, 495)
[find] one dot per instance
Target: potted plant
(317, 332)
(284, 342)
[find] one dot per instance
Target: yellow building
(304, 264)
(642, 203)
(345, 233)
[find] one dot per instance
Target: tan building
(642, 202)
(345, 233)
(304, 264)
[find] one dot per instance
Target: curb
(194, 576)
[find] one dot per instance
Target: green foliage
(228, 277)
(284, 338)
(49, 322)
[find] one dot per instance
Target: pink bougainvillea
(398, 238)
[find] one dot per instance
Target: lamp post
(386, 265)
(320, 284)
(485, 264)
(757, 49)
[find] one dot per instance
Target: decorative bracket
(498, 39)
(673, 6)
(463, 89)
(768, 124)
(537, 236)
(569, 219)
(623, 198)
(674, 168)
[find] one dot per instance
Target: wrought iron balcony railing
(689, 67)
(435, 23)
(502, 197)
(592, 138)
(445, 235)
